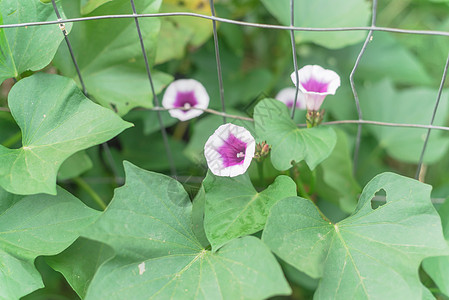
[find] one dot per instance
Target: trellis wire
(69, 46)
(295, 59)
(440, 90)
(292, 29)
(354, 91)
(230, 21)
(155, 98)
(218, 60)
(105, 145)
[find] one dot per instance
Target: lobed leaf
(149, 225)
(372, 254)
(31, 226)
(288, 142)
(234, 208)
(56, 120)
(22, 48)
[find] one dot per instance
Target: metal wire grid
(291, 29)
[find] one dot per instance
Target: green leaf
(198, 205)
(79, 262)
(57, 120)
(149, 225)
(288, 142)
(438, 267)
(245, 83)
(324, 13)
(74, 166)
(179, 32)
(21, 48)
(336, 182)
(150, 120)
(372, 254)
(32, 226)
(87, 6)
(386, 57)
(112, 65)
(149, 152)
(234, 208)
(381, 102)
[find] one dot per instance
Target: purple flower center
(185, 99)
(289, 103)
(315, 86)
(232, 151)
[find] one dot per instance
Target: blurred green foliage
(397, 81)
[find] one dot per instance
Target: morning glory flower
(185, 94)
(287, 96)
(316, 83)
(229, 150)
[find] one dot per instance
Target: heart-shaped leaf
(288, 142)
(22, 47)
(372, 254)
(31, 226)
(234, 208)
(112, 65)
(56, 120)
(149, 225)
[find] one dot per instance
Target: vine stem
(302, 191)
(260, 171)
(83, 184)
(294, 173)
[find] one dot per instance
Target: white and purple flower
(287, 96)
(316, 83)
(184, 95)
(229, 150)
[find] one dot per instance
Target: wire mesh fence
(134, 14)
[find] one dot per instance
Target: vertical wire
(69, 46)
(295, 60)
(440, 90)
(83, 86)
(217, 58)
(354, 91)
(173, 171)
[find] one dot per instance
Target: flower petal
(316, 83)
(229, 150)
(185, 93)
(287, 96)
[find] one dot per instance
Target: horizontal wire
(368, 122)
(224, 20)
(218, 113)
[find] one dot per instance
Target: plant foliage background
(314, 229)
